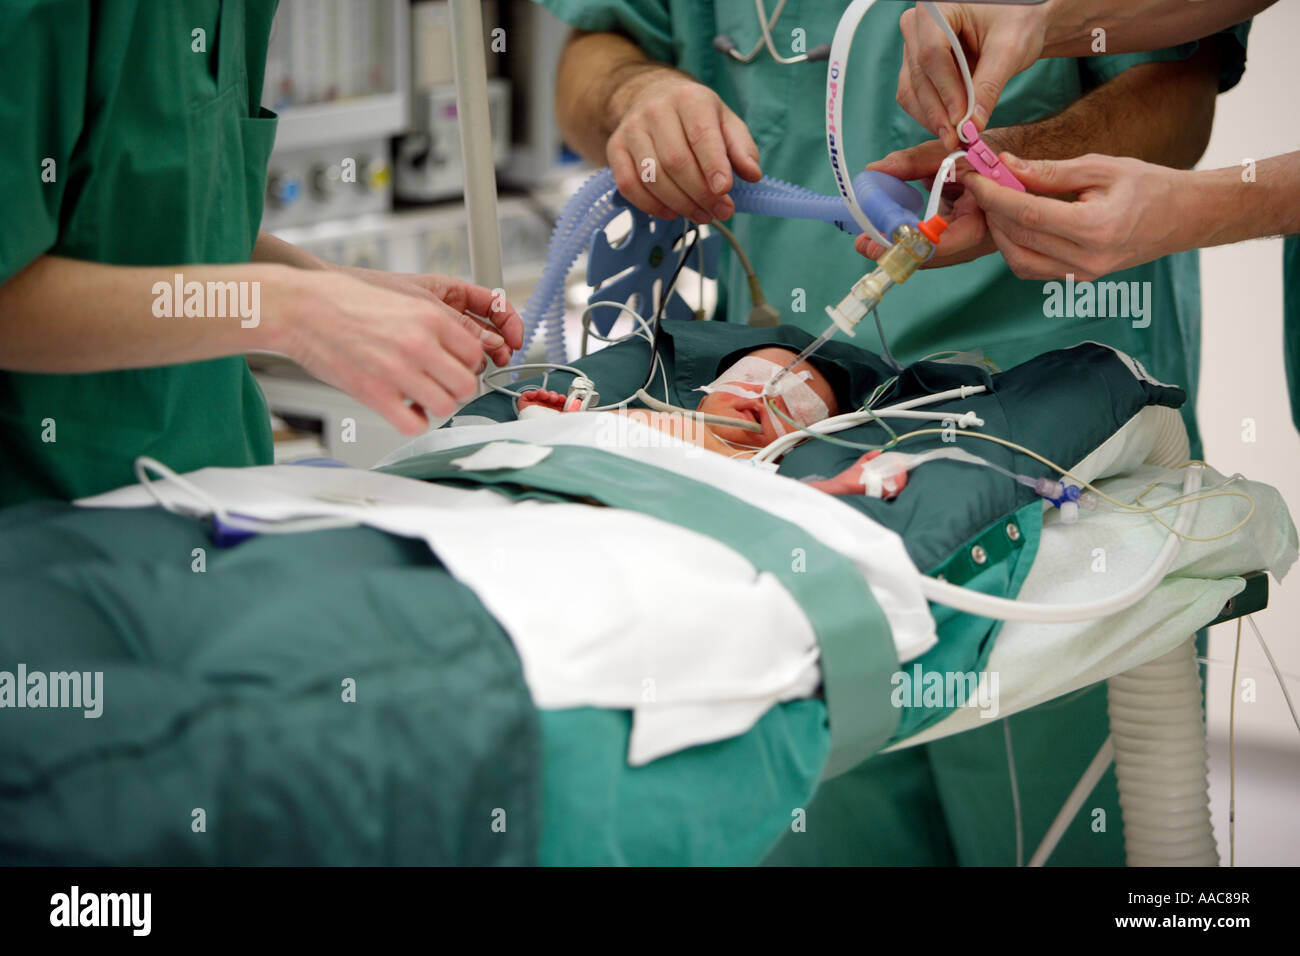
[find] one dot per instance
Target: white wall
(1242, 378)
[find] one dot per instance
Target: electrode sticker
(503, 454)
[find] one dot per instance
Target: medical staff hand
(483, 312)
(999, 43)
(1127, 213)
(675, 145)
(379, 345)
(967, 236)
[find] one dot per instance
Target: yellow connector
(904, 257)
(896, 266)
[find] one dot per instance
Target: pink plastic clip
(985, 161)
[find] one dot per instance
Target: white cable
(1074, 802)
(948, 453)
(144, 464)
(827, 427)
(959, 419)
(642, 329)
(1015, 793)
(1245, 668)
(645, 332)
(704, 417)
(941, 177)
(1278, 673)
(1006, 609)
(962, 391)
(962, 65)
(1232, 750)
(839, 423)
(546, 369)
(836, 73)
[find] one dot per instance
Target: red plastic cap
(933, 228)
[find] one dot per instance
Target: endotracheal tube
(908, 243)
(912, 246)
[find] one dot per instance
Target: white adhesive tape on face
(802, 404)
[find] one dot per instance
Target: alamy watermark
(946, 689)
(75, 908)
(1098, 300)
(74, 689)
(638, 430)
(208, 300)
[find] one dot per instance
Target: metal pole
(476, 142)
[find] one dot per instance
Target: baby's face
(755, 408)
(745, 409)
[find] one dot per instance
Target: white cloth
(1106, 549)
(606, 607)
(877, 551)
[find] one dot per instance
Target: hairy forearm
(1133, 25)
(67, 316)
(599, 74)
(1237, 203)
(1157, 112)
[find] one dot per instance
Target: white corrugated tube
(1161, 761)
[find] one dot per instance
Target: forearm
(270, 248)
(67, 316)
(1157, 112)
(1134, 25)
(599, 73)
(273, 250)
(1221, 206)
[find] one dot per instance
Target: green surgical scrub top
(948, 801)
(980, 304)
(130, 139)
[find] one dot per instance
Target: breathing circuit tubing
(836, 69)
(875, 203)
(593, 207)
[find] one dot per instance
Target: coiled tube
(1161, 763)
(887, 201)
(589, 209)
(774, 197)
(592, 207)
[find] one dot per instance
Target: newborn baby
(804, 396)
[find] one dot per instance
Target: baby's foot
(541, 398)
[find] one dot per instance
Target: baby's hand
(851, 481)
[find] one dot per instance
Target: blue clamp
(1069, 493)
